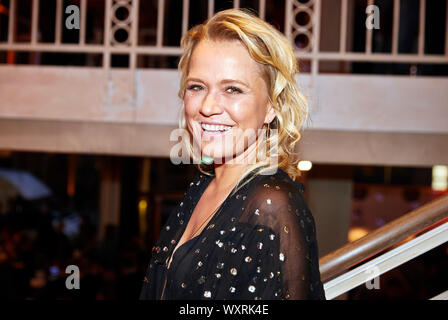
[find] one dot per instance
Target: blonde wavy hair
(270, 48)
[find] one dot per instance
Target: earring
(268, 131)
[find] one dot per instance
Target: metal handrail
(442, 296)
(386, 261)
(340, 260)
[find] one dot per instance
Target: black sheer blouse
(260, 244)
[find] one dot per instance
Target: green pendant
(206, 160)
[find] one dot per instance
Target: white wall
(380, 120)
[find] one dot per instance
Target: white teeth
(212, 127)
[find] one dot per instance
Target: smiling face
(226, 97)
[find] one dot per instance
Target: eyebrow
(237, 81)
(222, 81)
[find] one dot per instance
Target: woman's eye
(233, 90)
(194, 87)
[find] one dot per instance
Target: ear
(270, 115)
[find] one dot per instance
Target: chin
(215, 152)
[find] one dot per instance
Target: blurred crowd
(35, 252)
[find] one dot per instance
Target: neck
(229, 172)
(227, 175)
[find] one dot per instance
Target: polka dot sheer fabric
(260, 244)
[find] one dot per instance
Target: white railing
(311, 31)
(367, 56)
(442, 296)
(387, 261)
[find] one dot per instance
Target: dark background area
(35, 248)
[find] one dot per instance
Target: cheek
(247, 113)
(190, 106)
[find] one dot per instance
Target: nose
(210, 106)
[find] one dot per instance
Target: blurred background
(86, 115)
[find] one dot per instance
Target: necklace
(205, 221)
(194, 234)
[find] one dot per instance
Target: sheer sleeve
(290, 254)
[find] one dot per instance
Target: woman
(242, 231)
